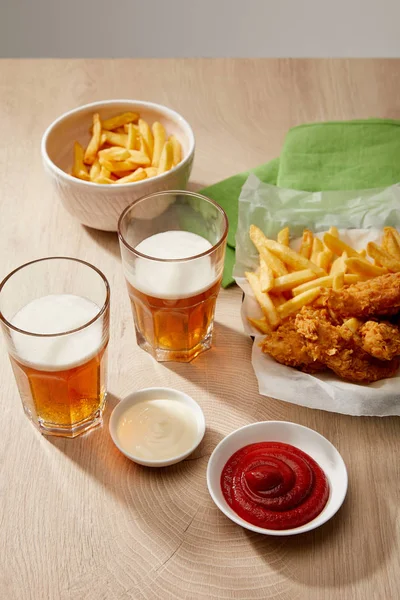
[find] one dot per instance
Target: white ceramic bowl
(98, 205)
(308, 440)
(156, 394)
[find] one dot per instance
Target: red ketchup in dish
(274, 485)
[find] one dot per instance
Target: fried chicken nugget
(380, 339)
(328, 344)
(377, 296)
(287, 347)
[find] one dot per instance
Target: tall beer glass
(54, 313)
(173, 247)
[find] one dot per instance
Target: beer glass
(173, 246)
(54, 313)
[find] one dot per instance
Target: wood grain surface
(79, 520)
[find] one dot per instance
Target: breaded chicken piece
(377, 296)
(286, 346)
(325, 343)
(381, 339)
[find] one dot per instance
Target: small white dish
(156, 394)
(307, 440)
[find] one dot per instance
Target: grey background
(176, 28)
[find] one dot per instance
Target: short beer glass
(54, 313)
(173, 248)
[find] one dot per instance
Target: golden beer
(174, 324)
(65, 397)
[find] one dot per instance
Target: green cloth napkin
(341, 155)
(337, 155)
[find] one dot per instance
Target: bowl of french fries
(103, 156)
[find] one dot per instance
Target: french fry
(364, 268)
(334, 231)
(338, 281)
(79, 168)
(177, 150)
(353, 324)
(125, 128)
(83, 175)
(306, 244)
(292, 258)
(166, 158)
(291, 280)
(135, 157)
(351, 278)
(159, 141)
(115, 166)
(339, 265)
(266, 275)
(324, 260)
(295, 304)
(115, 154)
(140, 158)
(131, 137)
(117, 173)
(386, 240)
(258, 238)
(137, 175)
(283, 236)
(147, 135)
(276, 265)
(386, 260)
(263, 300)
(143, 146)
(336, 246)
(94, 144)
(317, 247)
(116, 139)
(151, 171)
(260, 324)
(391, 242)
(395, 234)
(105, 172)
(363, 253)
(119, 120)
(95, 170)
(326, 282)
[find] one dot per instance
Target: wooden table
(78, 520)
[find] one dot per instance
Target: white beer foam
(51, 315)
(172, 280)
